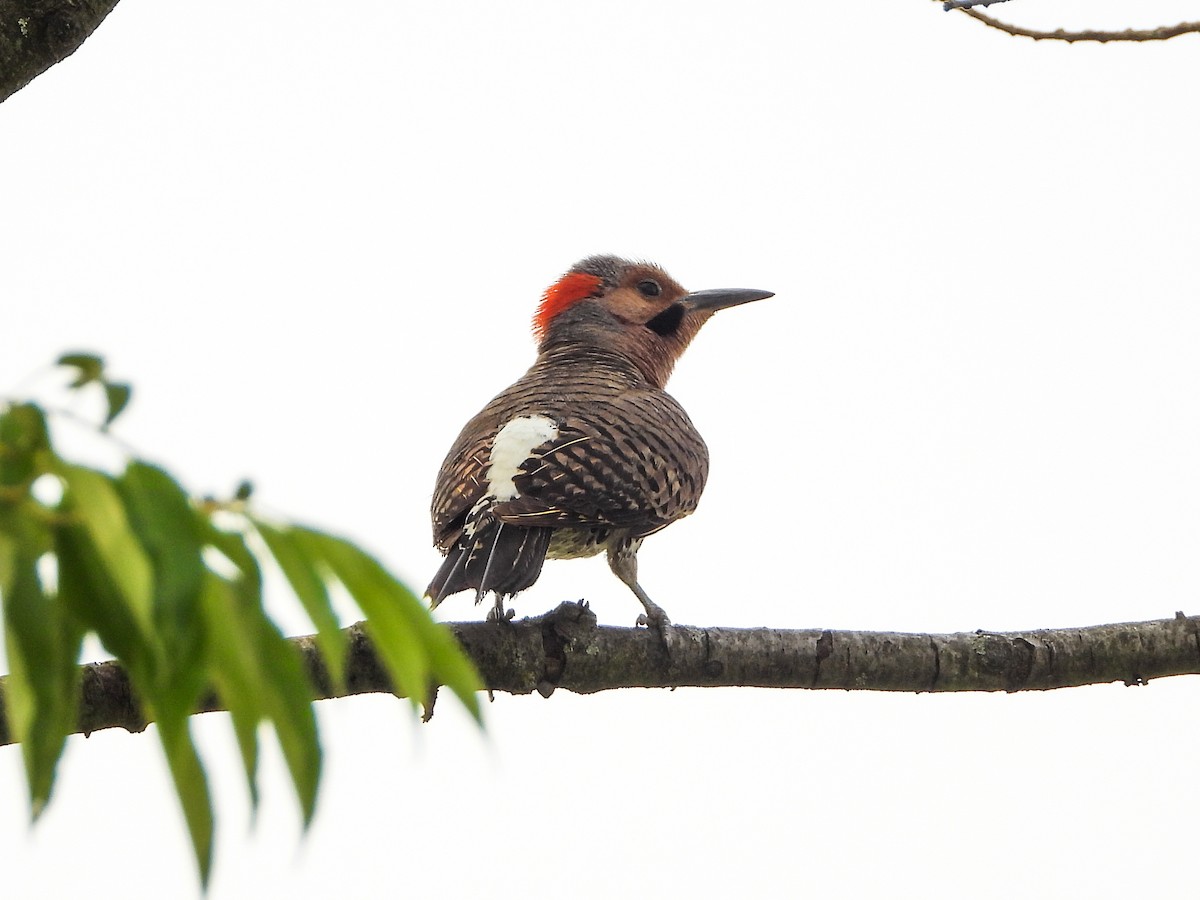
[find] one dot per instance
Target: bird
(585, 453)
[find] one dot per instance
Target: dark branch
(1131, 34)
(36, 34)
(566, 649)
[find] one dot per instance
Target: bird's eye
(649, 288)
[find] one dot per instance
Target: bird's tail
(496, 557)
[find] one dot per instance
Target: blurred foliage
(174, 590)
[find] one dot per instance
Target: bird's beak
(723, 298)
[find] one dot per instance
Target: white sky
(312, 235)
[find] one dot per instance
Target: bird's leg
(622, 559)
(655, 616)
(498, 613)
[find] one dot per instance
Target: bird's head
(634, 309)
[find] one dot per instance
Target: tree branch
(566, 649)
(1162, 33)
(36, 34)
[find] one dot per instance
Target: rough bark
(36, 34)
(565, 648)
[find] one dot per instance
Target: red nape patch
(563, 294)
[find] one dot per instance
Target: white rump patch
(513, 445)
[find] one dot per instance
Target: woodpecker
(586, 452)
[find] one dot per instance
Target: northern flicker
(586, 452)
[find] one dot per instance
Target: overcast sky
(313, 235)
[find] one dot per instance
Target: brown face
(647, 296)
(647, 318)
(658, 324)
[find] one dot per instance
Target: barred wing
(635, 462)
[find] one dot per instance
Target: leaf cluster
(173, 589)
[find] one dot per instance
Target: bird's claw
(656, 619)
(500, 614)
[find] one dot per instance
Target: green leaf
(415, 649)
(259, 675)
(396, 640)
(290, 710)
(118, 395)
(23, 438)
(451, 666)
(88, 592)
(301, 573)
(8, 563)
(231, 666)
(92, 498)
(41, 640)
(231, 675)
(233, 547)
(104, 576)
(191, 786)
(90, 366)
(42, 691)
(170, 531)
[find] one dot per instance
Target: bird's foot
(499, 614)
(654, 617)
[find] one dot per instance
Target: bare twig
(1163, 33)
(566, 649)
